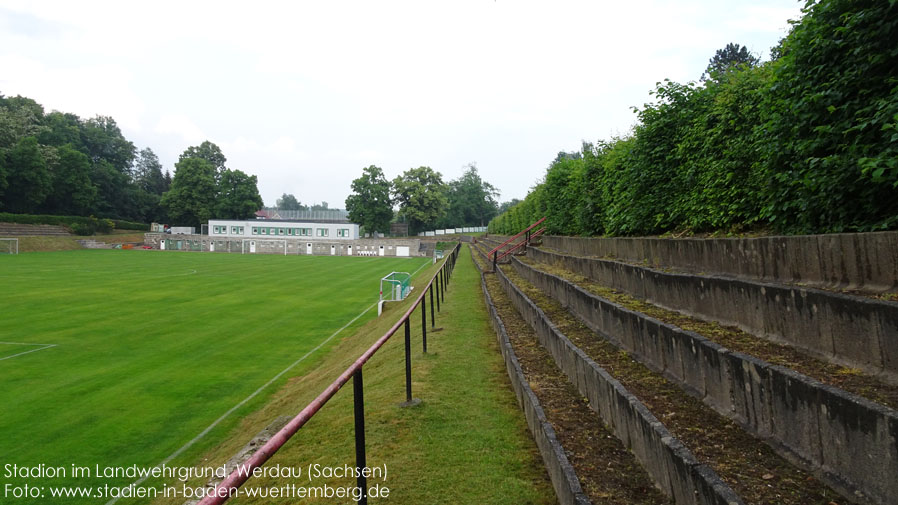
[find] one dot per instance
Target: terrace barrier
(437, 285)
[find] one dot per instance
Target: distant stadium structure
(281, 228)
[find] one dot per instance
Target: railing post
(359, 409)
(437, 288)
(443, 284)
(424, 322)
(408, 361)
(433, 322)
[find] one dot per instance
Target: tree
(421, 195)
(730, 57)
(148, 172)
(319, 206)
(27, 177)
(289, 202)
(369, 204)
(3, 183)
(62, 128)
(209, 152)
(503, 208)
(472, 201)
(20, 117)
(72, 191)
(191, 199)
(238, 195)
(103, 140)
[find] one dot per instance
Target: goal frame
(403, 281)
(14, 249)
(243, 249)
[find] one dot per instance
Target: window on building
(255, 230)
(240, 230)
(264, 231)
(233, 230)
(343, 232)
(280, 231)
(322, 232)
(272, 231)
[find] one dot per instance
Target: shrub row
(804, 143)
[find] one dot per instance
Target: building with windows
(277, 228)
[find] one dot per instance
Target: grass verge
(465, 443)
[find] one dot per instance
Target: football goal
(393, 288)
(264, 246)
(9, 246)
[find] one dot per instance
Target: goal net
(264, 246)
(395, 287)
(9, 246)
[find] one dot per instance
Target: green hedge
(805, 143)
(78, 224)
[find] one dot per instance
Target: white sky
(305, 94)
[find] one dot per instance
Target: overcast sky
(305, 94)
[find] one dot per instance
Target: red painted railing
(521, 244)
(241, 474)
(490, 255)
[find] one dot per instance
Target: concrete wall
(273, 245)
(669, 464)
(850, 330)
(561, 473)
(864, 261)
(849, 442)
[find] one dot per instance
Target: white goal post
(9, 246)
(254, 245)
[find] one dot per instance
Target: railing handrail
(521, 243)
(525, 230)
(244, 471)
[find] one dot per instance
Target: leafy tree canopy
(72, 192)
(369, 204)
(732, 56)
(148, 172)
(421, 195)
(209, 152)
(191, 199)
(27, 177)
(289, 202)
(238, 195)
(471, 200)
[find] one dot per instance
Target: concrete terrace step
(665, 460)
(848, 442)
(26, 230)
(856, 261)
(849, 330)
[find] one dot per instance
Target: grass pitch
(150, 348)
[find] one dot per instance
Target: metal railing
(437, 284)
(492, 254)
(520, 245)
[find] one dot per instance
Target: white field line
(422, 266)
(253, 395)
(244, 401)
(45, 346)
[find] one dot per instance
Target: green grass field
(150, 348)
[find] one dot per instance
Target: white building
(275, 228)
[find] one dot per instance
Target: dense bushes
(77, 224)
(805, 143)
